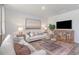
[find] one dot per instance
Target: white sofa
(7, 47)
(37, 37)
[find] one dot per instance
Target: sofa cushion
(21, 49)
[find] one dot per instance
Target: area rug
(51, 46)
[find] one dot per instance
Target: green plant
(51, 27)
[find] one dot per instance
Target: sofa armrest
(27, 44)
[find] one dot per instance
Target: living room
(37, 20)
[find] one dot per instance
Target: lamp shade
(20, 28)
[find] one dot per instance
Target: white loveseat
(7, 47)
(37, 37)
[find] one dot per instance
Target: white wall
(74, 16)
(15, 18)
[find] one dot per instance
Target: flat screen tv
(64, 24)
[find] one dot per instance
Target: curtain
(2, 23)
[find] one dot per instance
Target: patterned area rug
(51, 46)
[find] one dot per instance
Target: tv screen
(64, 24)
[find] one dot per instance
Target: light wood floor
(0, 40)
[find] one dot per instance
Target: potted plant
(51, 33)
(51, 27)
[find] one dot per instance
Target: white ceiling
(35, 9)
